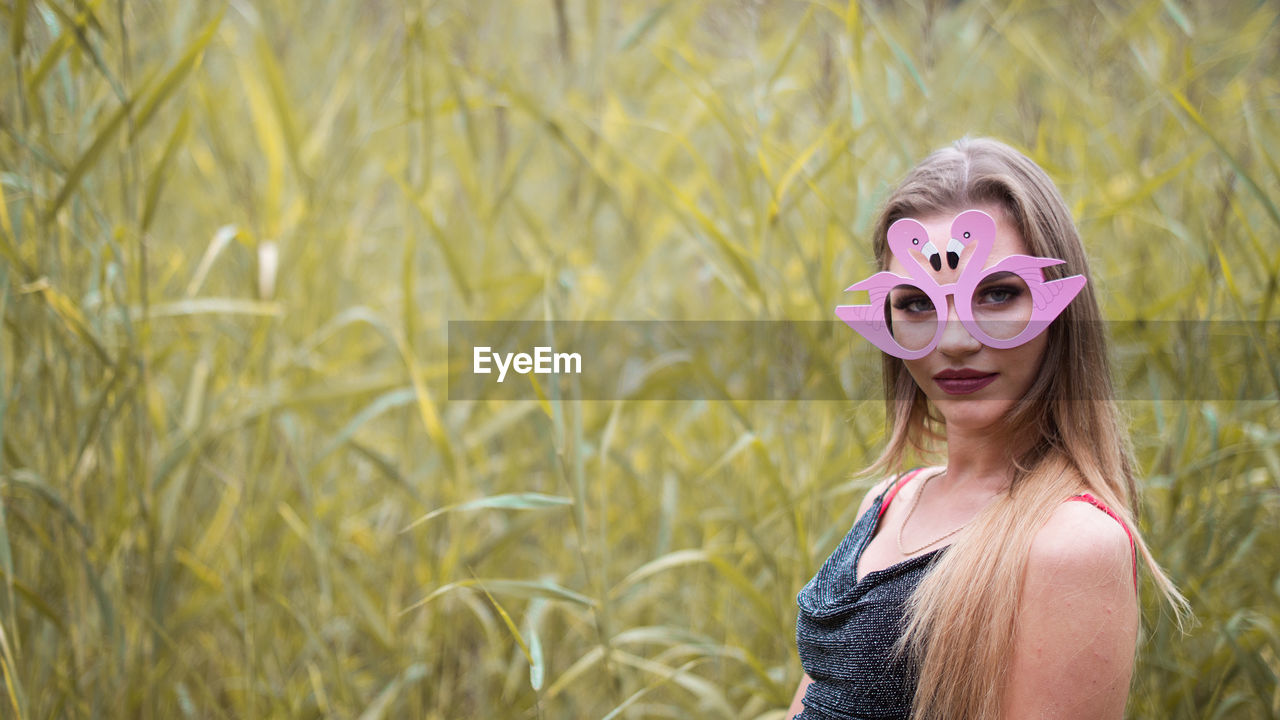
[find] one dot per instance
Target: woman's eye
(999, 294)
(913, 304)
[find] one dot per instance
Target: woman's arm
(1077, 625)
(796, 705)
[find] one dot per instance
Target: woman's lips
(962, 386)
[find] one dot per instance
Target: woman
(1002, 584)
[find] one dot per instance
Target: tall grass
(232, 236)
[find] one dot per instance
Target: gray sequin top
(846, 630)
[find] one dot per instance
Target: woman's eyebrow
(997, 277)
(904, 290)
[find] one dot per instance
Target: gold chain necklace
(916, 501)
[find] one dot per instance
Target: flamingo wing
(1050, 297)
(868, 320)
(1060, 293)
(883, 280)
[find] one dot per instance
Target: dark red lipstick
(963, 380)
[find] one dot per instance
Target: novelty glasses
(1002, 306)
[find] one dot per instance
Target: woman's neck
(977, 462)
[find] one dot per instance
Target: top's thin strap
(896, 487)
(1086, 497)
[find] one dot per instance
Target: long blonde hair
(1070, 438)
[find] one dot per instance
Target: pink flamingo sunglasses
(1002, 306)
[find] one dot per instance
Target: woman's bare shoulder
(1078, 618)
(1082, 540)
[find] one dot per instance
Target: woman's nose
(955, 339)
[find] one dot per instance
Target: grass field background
(232, 234)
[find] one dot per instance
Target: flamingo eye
(966, 235)
(915, 241)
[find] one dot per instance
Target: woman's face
(1011, 372)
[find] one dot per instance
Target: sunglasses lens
(1002, 306)
(912, 317)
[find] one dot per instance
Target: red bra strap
(1086, 497)
(894, 490)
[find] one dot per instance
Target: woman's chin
(971, 414)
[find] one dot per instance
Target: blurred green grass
(232, 236)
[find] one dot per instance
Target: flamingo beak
(954, 248)
(935, 258)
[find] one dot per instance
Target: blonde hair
(1068, 437)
